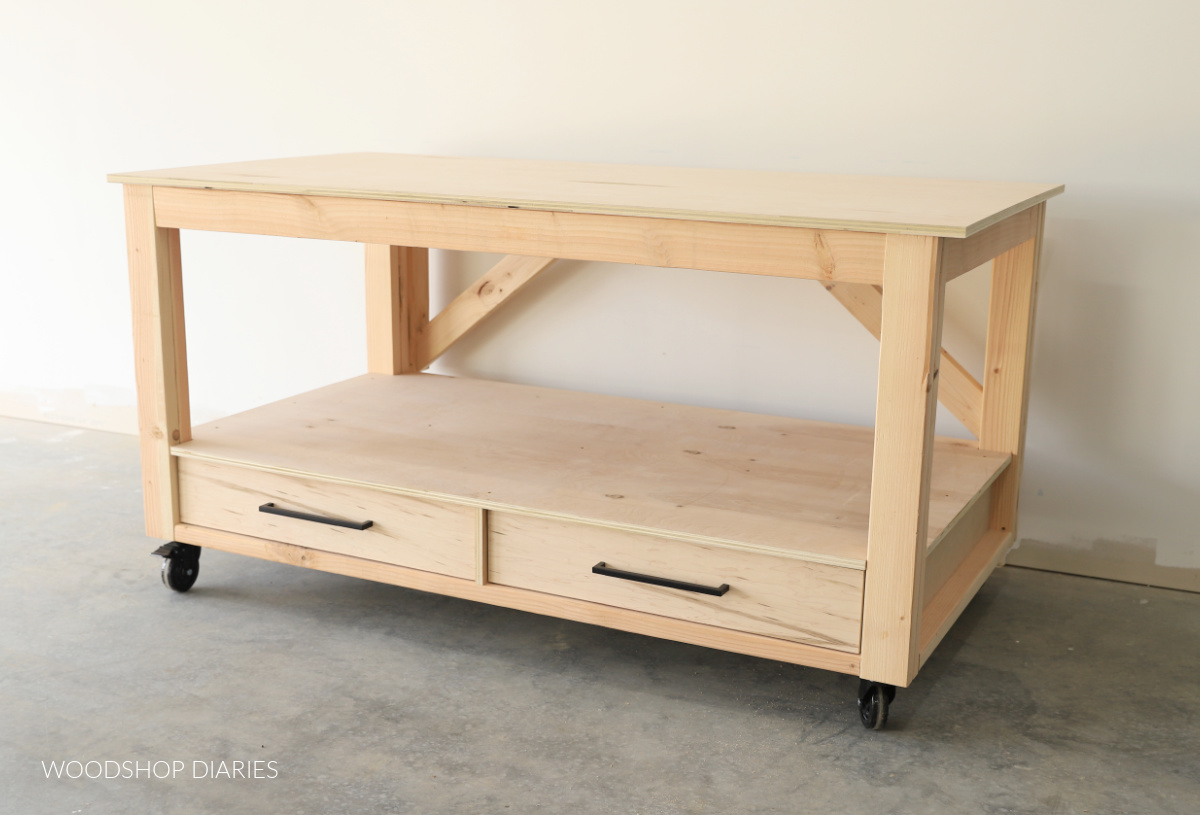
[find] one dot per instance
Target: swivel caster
(180, 566)
(873, 701)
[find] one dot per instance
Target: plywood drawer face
(412, 532)
(775, 596)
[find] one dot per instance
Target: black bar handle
(271, 509)
(608, 571)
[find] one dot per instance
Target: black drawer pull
(271, 509)
(608, 571)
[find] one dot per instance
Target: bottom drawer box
(772, 595)
(412, 532)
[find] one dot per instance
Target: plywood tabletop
(945, 208)
(742, 479)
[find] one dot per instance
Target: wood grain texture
(956, 543)
(960, 392)
(413, 532)
(480, 300)
(1011, 313)
(385, 338)
(860, 203)
(397, 289)
(962, 255)
(743, 248)
(940, 613)
(482, 519)
(777, 597)
(160, 356)
(592, 613)
(910, 350)
(744, 480)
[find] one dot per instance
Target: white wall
(1101, 96)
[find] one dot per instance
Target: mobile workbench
(852, 549)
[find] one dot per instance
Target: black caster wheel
(180, 566)
(873, 701)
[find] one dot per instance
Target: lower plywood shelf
(431, 481)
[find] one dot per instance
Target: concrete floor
(1052, 694)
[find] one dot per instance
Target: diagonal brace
(479, 301)
(959, 391)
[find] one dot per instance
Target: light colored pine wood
(385, 337)
(956, 543)
(397, 308)
(480, 300)
(744, 248)
(862, 203)
(481, 546)
(714, 476)
(960, 256)
(983, 494)
(777, 597)
(1006, 368)
(414, 306)
(960, 392)
(160, 356)
(940, 613)
(910, 350)
(592, 613)
(413, 532)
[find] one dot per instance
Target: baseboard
(1108, 560)
(108, 409)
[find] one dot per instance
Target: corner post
(1011, 311)
(160, 356)
(397, 287)
(909, 356)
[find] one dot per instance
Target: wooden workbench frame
(893, 283)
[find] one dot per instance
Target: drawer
(771, 595)
(412, 532)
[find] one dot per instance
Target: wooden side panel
(958, 391)
(480, 300)
(777, 597)
(635, 622)
(961, 255)
(948, 603)
(942, 560)
(160, 355)
(855, 257)
(1006, 376)
(910, 350)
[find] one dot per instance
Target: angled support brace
(959, 391)
(474, 305)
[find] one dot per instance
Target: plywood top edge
(758, 197)
(1011, 211)
(195, 450)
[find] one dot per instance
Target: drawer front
(775, 596)
(412, 532)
